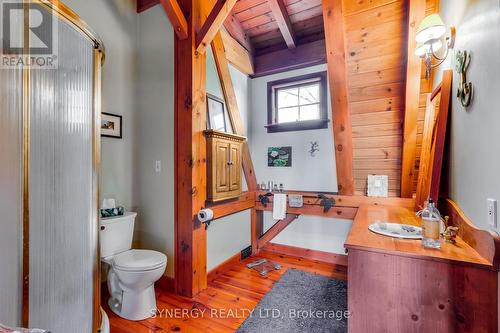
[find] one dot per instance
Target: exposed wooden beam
(337, 74)
(257, 228)
(213, 23)
(190, 157)
(339, 212)
(275, 230)
(232, 106)
(304, 55)
(237, 54)
(235, 29)
(416, 13)
(176, 17)
(143, 5)
(311, 198)
(244, 202)
(280, 14)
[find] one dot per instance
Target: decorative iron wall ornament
(314, 148)
(465, 90)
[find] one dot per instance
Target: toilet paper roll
(205, 215)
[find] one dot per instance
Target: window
(297, 103)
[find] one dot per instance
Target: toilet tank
(116, 234)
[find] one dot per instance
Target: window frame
(297, 81)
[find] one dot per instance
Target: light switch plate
(378, 186)
(492, 213)
(158, 166)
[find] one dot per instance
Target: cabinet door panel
(235, 167)
(221, 161)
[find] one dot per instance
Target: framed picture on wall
(279, 156)
(111, 125)
(217, 116)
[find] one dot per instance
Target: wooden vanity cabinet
(223, 165)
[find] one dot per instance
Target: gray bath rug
(300, 302)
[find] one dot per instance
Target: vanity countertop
(360, 238)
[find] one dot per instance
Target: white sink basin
(396, 230)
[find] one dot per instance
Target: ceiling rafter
(282, 18)
(213, 23)
(235, 29)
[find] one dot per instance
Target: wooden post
(337, 76)
(190, 156)
(416, 13)
(257, 226)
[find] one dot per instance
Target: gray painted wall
(475, 132)
(115, 22)
(307, 173)
(155, 126)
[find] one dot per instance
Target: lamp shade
(424, 48)
(431, 27)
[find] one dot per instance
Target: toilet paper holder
(205, 216)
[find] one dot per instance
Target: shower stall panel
(62, 209)
(11, 201)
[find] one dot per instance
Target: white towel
(279, 206)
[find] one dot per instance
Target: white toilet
(132, 273)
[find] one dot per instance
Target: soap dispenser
(431, 226)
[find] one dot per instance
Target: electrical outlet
(158, 166)
(492, 213)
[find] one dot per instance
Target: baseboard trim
(166, 283)
(328, 257)
(223, 267)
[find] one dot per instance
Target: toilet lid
(139, 260)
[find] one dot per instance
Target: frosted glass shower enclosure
(49, 148)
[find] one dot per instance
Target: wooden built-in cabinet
(223, 165)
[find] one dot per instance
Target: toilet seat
(139, 260)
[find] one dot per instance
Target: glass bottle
(431, 226)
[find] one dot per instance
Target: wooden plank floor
(225, 304)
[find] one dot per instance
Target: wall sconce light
(431, 37)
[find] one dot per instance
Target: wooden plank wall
(376, 39)
(376, 55)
